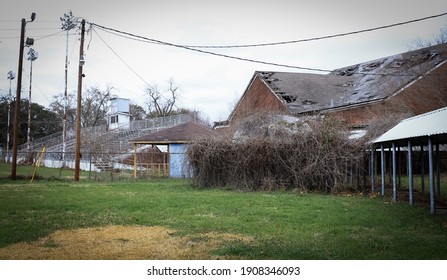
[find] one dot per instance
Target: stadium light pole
(32, 56)
(68, 23)
(15, 137)
(11, 76)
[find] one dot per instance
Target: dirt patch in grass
(121, 243)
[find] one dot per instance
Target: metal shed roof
(433, 124)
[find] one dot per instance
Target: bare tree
(439, 38)
(57, 106)
(162, 104)
(137, 112)
(95, 105)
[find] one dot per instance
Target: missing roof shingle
(308, 102)
(289, 98)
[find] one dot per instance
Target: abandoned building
(397, 86)
(173, 143)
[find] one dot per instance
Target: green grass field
(285, 225)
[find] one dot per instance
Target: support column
(153, 160)
(422, 170)
(438, 171)
(351, 175)
(135, 160)
(373, 170)
(431, 176)
(169, 161)
(382, 165)
(399, 169)
(410, 173)
(394, 172)
(357, 173)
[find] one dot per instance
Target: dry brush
(310, 156)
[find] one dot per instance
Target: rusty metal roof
(432, 124)
(183, 133)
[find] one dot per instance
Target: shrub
(314, 155)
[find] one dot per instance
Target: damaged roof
(183, 133)
(365, 82)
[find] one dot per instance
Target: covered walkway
(423, 132)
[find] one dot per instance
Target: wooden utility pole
(78, 112)
(15, 126)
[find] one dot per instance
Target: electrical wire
(199, 49)
(290, 41)
(18, 29)
(318, 38)
(154, 41)
(38, 37)
(127, 65)
(73, 48)
(129, 37)
(36, 86)
(208, 52)
(47, 36)
(122, 60)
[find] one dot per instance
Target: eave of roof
(432, 124)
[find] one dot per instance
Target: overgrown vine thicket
(312, 156)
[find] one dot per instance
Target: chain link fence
(93, 166)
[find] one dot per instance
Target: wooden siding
(258, 99)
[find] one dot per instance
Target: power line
(51, 35)
(316, 38)
(131, 36)
(17, 29)
(149, 40)
(120, 58)
(73, 49)
(125, 63)
(38, 37)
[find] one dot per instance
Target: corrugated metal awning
(433, 124)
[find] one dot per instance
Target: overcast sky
(208, 83)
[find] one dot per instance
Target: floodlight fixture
(29, 41)
(11, 75)
(68, 21)
(32, 54)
